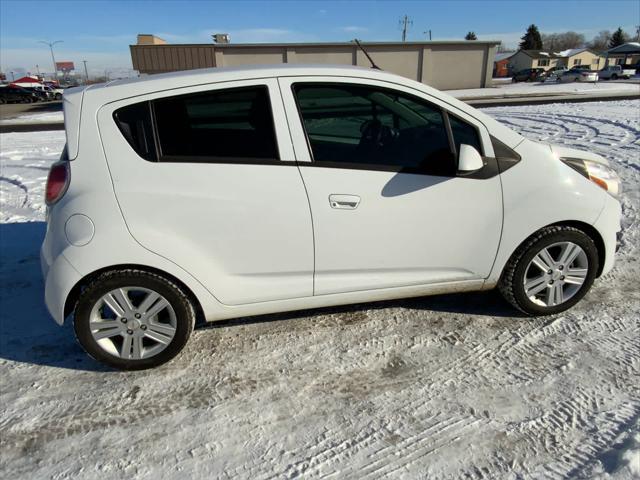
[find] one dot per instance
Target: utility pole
(86, 74)
(53, 59)
(38, 69)
(404, 23)
(427, 32)
(638, 33)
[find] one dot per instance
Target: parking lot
(455, 386)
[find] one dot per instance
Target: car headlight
(602, 175)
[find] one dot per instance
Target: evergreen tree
(531, 40)
(618, 38)
(471, 36)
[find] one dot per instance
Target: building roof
(540, 54)
(630, 47)
(323, 44)
(504, 55)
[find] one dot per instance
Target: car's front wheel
(132, 319)
(551, 271)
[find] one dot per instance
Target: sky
(100, 32)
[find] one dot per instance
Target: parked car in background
(529, 75)
(228, 192)
(41, 94)
(579, 74)
(11, 94)
(555, 74)
(613, 72)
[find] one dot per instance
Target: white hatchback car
(224, 193)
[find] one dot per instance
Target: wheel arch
(75, 291)
(587, 229)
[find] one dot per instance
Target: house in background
(533, 59)
(582, 56)
(501, 65)
(549, 60)
(625, 54)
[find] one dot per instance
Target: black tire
(182, 306)
(614, 77)
(511, 284)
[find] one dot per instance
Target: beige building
(444, 65)
(548, 60)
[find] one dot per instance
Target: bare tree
(600, 42)
(556, 42)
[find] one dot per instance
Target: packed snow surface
(42, 117)
(505, 89)
(455, 386)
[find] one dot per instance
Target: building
(625, 54)
(549, 60)
(501, 66)
(444, 65)
(582, 56)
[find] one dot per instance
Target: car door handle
(344, 202)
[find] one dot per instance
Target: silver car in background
(579, 75)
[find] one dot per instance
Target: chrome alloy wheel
(133, 323)
(556, 274)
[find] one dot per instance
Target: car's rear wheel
(132, 319)
(551, 271)
(614, 77)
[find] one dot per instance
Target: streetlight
(53, 59)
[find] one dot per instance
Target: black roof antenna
(373, 65)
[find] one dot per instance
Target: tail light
(57, 182)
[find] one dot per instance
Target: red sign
(64, 66)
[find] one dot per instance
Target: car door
(205, 176)
(388, 206)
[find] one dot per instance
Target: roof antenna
(373, 65)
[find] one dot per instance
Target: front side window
(216, 126)
(352, 125)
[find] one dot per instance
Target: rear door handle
(344, 202)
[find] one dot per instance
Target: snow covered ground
(454, 386)
(548, 88)
(41, 117)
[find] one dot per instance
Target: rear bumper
(59, 278)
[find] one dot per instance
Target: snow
(451, 386)
(505, 90)
(47, 117)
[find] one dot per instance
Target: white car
(579, 75)
(221, 193)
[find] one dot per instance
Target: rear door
(389, 209)
(206, 177)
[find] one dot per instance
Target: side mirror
(469, 159)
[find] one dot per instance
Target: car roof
(216, 74)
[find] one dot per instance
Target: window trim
(216, 159)
(385, 167)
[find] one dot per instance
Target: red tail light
(57, 182)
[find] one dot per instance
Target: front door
(388, 206)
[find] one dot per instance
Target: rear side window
(134, 122)
(221, 125)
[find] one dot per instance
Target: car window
(357, 126)
(220, 125)
(134, 122)
(466, 133)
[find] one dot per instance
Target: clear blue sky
(100, 31)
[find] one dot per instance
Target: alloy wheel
(133, 323)
(556, 274)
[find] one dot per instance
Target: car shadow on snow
(27, 333)
(477, 304)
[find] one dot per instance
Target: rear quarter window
(134, 122)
